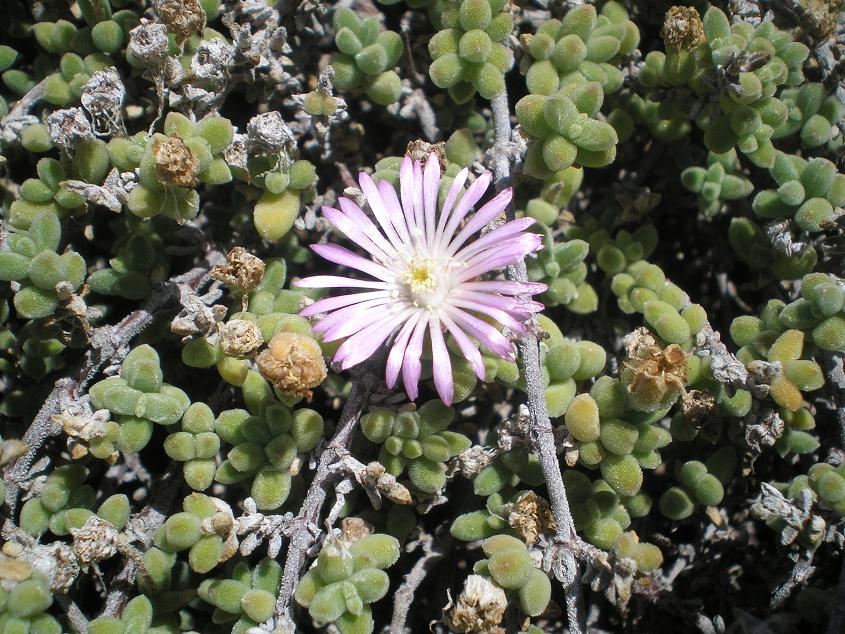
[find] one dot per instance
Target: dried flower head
(242, 270)
(654, 376)
(354, 528)
(84, 427)
(426, 271)
(175, 164)
(682, 29)
(293, 363)
(183, 18)
(240, 338)
(95, 541)
(531, 516)
(697, 406)
(420, 150)
(148, 43)
(480, 607)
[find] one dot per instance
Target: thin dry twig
(142, 527)
(108, 345)
(404, 595)
(75, 617)
(305, 529)
(540, 427)
(836, 376)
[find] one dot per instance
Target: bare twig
(798, 576)
(23, 105)
(305, 527)
(836, 376)
(108, 344)
(404, 596)
(540, 427)
(142, 527)
(76, 619)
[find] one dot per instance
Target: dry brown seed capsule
(175, 164)
(531, 516)
(183, 18)
(479, 608)
(148, 43)
(420, 150)
(240, 338)
(653, 375)
(697, 405)
(682, 29)
(293, 363)
(354, 528)
(242, 269)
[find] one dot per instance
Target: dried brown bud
(420, 150)
(175, 164)
(376, 476)
(480, 607)
(354, 528)
(183, 18)
(697, 405)
(531, 516)
(293, 363)
(654, 376)
(83, 427)
(682, 29)
(240, 338)
(148, 43)
(95, 541)
(242, 270)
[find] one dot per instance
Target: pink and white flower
(424, 266)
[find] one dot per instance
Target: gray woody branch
(540, 427)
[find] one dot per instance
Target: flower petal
(341, 255)
(445, 212)
(340, 301)
(419, 209)
(441, 363)
(471, 196)
(345, 321)
(468, 348)
(480, 219)
(484, 332)
(431, 187)
(361, 346)
(411, 366)
(509, 252)
(492, 238)
(514, 305)
(376, 203)
(397, 352)
(502, 316)
(507, 287)
(336, 281)
(368, 227)
(355, 232)
(407, 187)
(397, 217)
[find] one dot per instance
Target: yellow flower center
(419, 276)
(424, 283)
